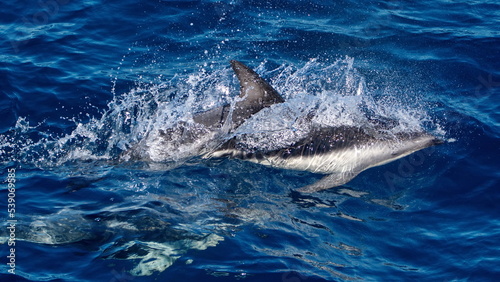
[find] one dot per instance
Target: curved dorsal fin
(255, 92)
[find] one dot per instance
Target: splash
(317, 94)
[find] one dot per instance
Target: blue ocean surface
(81, 82)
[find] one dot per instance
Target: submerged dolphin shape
(339, 152)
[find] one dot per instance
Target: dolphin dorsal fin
(254, 87)
(255, 92)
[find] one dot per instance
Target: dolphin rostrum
(339, 152)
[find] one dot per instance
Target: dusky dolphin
(208, 129)
(339, 152)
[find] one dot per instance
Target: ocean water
(83, 81)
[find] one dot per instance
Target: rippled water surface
(82, 82)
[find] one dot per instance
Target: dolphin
(207, 129)
(341, 153)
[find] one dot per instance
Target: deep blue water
(83, 80)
